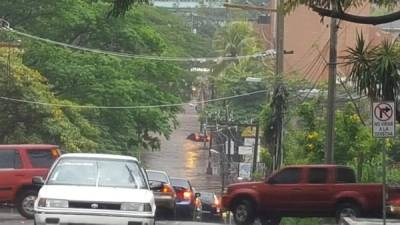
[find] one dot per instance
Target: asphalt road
(180, 157)
(8, 218)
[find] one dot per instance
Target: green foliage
(375, 70)
(28, 123)
(236, 38)
(229, 77)
(75, 77)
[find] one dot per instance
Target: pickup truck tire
(25, 201)
(243, 212)
(347, 209)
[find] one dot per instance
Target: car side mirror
(38, 181)
(156, 186)
(197, 195)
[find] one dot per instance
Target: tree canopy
(74, 77)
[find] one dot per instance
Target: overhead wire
(127, 55)
(128, 107)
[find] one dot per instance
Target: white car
(95, 189)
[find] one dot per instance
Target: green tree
(85, 78)
(23, 122)
(375, 69)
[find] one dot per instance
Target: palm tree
(375, 69)
(236, 38)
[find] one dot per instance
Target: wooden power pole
(330, 133)
(280, 31)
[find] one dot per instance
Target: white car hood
(96, 194)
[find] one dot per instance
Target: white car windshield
(97, 172)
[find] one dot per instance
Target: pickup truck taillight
(55, 153)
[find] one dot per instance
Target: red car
(18, 165)
(305, 191)
(198, 137)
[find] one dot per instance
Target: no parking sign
(383, 119)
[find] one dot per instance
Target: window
(97, 172)
(317, 176)
(345, 175)
(41, 158)
(157, 176)
(288, 176)
(10, 159)
(180, 183)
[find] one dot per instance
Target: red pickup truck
(305, 191)
(18, 165)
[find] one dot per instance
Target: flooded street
(180, 157)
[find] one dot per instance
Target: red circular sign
(383, 112)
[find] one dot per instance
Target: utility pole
(255, 153)
(280, 28)
(330, 138)
(280, 32)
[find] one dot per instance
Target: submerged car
(95, 189)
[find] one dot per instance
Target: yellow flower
(312, 136)
(355, 118)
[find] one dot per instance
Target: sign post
(383, 126)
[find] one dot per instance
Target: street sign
(245, 150)
(383, 119)
(249, 141)
(245, 170)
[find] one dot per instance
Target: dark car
(185, 199)
(165, 196)
(211, 206)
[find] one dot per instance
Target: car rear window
(10, 159)
(180, 183)
(157, 176)
(207, 197)
(345, 175)
(41, 158)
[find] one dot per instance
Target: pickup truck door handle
(296, 189)
(19, 175)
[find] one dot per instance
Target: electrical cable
(128, 107)
(127, 55)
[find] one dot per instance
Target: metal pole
(222, 154)
(255, 153)
(330, 139)
(384, 182)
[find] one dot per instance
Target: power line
(146, 57)
(127, 107)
